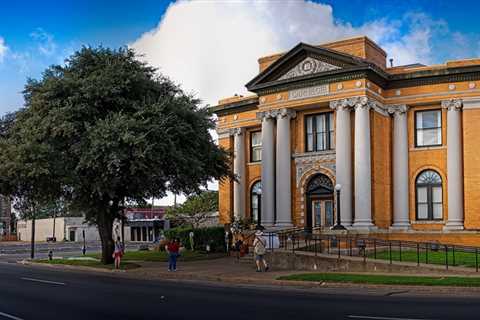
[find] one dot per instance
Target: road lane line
(381, 318)
(44, 281)
(9, 316)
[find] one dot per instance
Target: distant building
(146, 223)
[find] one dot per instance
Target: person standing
(259, 249)
(173, 249)
(118, 253)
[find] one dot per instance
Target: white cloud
(211, 48)
(3, 49)
(45, 42)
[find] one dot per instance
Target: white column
(343, 157)
(268, 168)
(284, 169)
(401, 219)
(454, 165)
(362, 166)
(239, 171)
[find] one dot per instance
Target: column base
(364, 226)
(453, 226)
(284, 224)
(401, 226)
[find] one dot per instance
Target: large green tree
(106, 129)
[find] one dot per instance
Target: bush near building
(213, 236)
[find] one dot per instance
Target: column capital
(355, 102)
(286, 113)
(396, 109)
(269, 114)
(452, 104)
(236, 131)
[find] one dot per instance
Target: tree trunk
(105, 229)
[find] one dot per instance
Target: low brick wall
(305, 261)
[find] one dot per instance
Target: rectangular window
(428, 128)
(319, 132)
(255, 146)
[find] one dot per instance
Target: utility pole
(54, 218)
(32, 245)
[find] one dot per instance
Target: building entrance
(320, 206)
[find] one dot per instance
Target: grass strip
(464, 259)
(385, 279)
(161, 256)
(89, 263)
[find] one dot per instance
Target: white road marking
(43, 281)
(381, 318)
(9, 316)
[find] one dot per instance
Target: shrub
(214, 236)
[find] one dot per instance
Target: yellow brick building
(401, 144)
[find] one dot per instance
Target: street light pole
(338, 226)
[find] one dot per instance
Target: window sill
(428, 222)
(428, 148)
(254, 163)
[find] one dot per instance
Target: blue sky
(40, 33)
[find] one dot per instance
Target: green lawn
(385, 279)
(156, 256)
(465, 259)
(89, 263)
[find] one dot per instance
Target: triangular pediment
(305, 61)
(308, 65)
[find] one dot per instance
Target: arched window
(429, 196)
(256, 201)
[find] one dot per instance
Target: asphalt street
(40, 293)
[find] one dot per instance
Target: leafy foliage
(195, 210)
(213, 236)
(103, 130)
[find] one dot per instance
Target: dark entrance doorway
(320, 208)
(256, 202)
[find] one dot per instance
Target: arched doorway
(319, 193)
(256, 202)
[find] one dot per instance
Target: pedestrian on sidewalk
(259, 249)
(173, 251)
(118, 253)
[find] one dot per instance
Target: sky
(211, 47)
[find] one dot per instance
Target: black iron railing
(374, 248)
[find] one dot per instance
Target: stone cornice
(452, 104)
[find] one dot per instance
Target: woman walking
(118, 253)
(173, 249)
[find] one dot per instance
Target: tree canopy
(196, 209)
(104, 129)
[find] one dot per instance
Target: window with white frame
(428, 128)
(255, 146)
(429, 196)
(319, 132)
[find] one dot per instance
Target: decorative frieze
(305, 162)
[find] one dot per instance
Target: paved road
(33, 293)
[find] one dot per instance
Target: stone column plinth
(401, 218)
(454, 164)
(284, 169)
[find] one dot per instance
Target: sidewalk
(228, 271)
